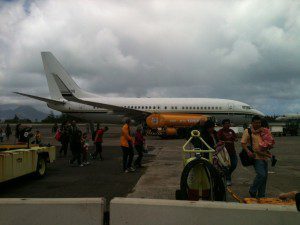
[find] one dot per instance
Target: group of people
(256, 141)
(79, 143)
(70, 134)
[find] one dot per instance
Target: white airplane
(67, 97)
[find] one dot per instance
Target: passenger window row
(142, 107)
(175, 107)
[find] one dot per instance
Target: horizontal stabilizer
(47, 100)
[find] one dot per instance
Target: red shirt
(229, 137)
(139, 139)
(99, 135)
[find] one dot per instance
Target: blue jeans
(233, 162)
(259, 184)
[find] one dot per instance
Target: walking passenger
(258, 188)
(228, 136)
(98, 142)
(64, 139)
(127, 147)
(139, 142)
(75, 143)
(209, 135)
(8, 131)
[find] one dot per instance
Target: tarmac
(159, 179)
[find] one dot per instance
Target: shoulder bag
(245, 159)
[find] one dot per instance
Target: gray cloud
(243, 50)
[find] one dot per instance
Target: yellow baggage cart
(18, 160)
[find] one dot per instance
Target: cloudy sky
(242, 50)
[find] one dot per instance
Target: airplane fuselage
(236, 111)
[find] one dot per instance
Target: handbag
(245, 159)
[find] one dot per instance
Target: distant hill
(23, 112)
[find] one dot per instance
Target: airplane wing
(47, 100)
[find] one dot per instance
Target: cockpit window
(246, 107)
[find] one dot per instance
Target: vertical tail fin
(53, 88)
(59, 81)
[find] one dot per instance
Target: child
(85, 148)
(267, 141)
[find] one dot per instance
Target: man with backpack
(252, 137)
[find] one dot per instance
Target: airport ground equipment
(172, 124)
(17, 160)
(200, 179)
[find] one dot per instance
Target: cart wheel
(216, 181)
(41, 167)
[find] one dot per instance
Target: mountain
(23, 112)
